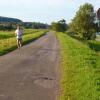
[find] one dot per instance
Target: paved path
(31, 73)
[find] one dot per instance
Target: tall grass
(10, 34)
(80, 66)
(8, 41)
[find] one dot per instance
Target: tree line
(35, 25)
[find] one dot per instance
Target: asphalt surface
(32, 72)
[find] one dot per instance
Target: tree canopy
(59, 26)
(83, 22)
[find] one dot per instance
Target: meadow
(80, 68)
(8, 39)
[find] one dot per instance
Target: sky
(45, 11)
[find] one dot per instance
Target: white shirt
(19, 33)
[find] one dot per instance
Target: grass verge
(80, 66)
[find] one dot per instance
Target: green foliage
(83, 22)
(35, 25)
(59, 26)
(7, 27)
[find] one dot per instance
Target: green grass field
(8, 39)
(98, 38)
(80, 69)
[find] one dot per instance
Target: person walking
(19, 34)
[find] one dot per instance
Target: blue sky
(43, 10)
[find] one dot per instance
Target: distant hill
(8, 19)
(8, 24)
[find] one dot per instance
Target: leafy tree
(83, 22)
(59, 26)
